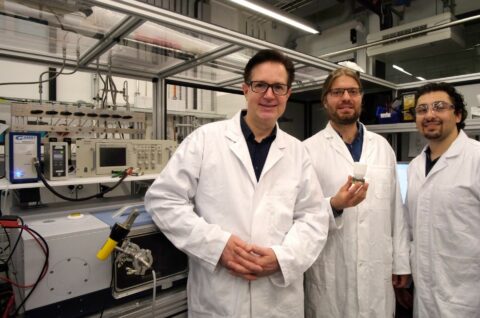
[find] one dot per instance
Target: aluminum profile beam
(159, 111)
(122, 29)
(451, 79)
(210, 56)
(41, 59)
(231, 81)
(161, 16)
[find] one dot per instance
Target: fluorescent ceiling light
(421, 78)
(401, 69)
(277, 16)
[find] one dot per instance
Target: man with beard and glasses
(443, 202)
(367, 253)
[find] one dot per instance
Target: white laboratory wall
(21, 72)
(70, 88)
(74, 88)
(471, 95)
(230, 104)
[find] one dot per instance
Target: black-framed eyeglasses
(436, 107)
(352, 91)
(262, 87)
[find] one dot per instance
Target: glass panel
(189, 108)
(213, 73)
(305, 75)
(227, 68)
(34, 27)
(153, 48)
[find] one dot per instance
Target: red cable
(44, 272)
(10, 303)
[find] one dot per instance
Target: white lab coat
(444, 220)
(209, 191)
(353, 275)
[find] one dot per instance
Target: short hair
(457, 98)
(268, 55)
(343, 71)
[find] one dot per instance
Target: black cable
(61, 196)
(8, 246)
(17, 241)
(37, 82)
(42, 272)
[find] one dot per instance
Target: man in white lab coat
(366, 256)
(241, 198)
(443, 201)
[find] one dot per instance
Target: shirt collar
(359, 135)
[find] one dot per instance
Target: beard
(435, 134)
(344, 119)
(432, 135)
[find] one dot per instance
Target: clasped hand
(248, 261)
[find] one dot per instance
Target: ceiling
(437, 59)
(318, 11)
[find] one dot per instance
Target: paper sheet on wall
(416, 142)
(3, 127)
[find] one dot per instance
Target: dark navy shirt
(429, 163)
(258, 150)
(355, 147)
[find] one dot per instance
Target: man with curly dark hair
(443, 202)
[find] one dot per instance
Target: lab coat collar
(240, 149)
(367, 150)
(339, 145)
(234, 132)
(453, 151)
(456, 148)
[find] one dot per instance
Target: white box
(73, 267)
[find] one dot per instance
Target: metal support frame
(202, 59)
(125, 27)
(138, 12)
(159, 111)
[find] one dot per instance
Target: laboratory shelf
(391, 128)
(191, 112)
(6, 185)
(470, 125)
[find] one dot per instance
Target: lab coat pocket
(280, 213)
(456, 221)
(381, 178)
(458, 279)
(220, 285)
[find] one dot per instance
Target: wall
(471, 95)
(21, 72)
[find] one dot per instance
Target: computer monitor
(402, 178)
